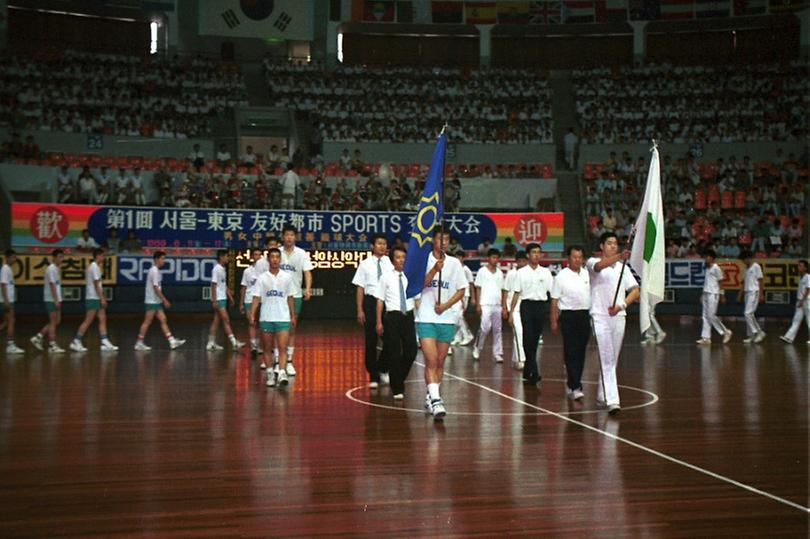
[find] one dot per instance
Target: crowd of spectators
(725, 205)
(404, 104)
(693, 104)
(79, 92)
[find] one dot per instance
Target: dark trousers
(576, 330)
(399, 342)
(374, 364)
(531, 315)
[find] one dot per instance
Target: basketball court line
(631, 443)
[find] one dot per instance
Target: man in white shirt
(518, 354)
(263, 264)
(463, 335)
(366, 280)
(437, 316)
(221, 295)
(154, 303)
(532, 285)
(608, 312)
(753, 292)
(275, 291)
(94, 303)
(246, 287)
(297, 263)
(802, 305)
(396, 326)
(86, 243)
(52, 295)
(8, 296)
(570, 140)
(570, 311)
(489, 306)
(289, 184)
(712, 294)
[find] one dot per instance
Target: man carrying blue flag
(438, 278)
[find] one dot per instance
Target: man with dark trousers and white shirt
(367, 278)
(532, 285)
(570, 312)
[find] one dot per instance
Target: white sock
(232, 338)
(290, 350)
(211, 339)
(433, 391)
(275, 355)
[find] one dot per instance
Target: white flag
(647, 256)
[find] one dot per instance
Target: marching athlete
(712, 295)
(489, 306)
(221, 296)
(802, 305)
(95, 304)
(463, 335)
(8, 295)
(753, 293)
(52, 295)
(154, 303)
(518, 354)
(246, 287)
(296, 262)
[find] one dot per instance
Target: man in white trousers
(802, 305)
(518, 355)
(753, 293)
(654, 334)
(463, 335)
(712, 295)
(609, 317)
(488, 285)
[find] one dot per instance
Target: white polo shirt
(369, 273)
(388, 290)
(153, 279)
(572, 290)
(470, 279)
(491, 285)
(752, 277)
(7, 278)
(273, 290)
(52, 275)
(533, 284)
(262, 265)
(804, 284)
(509, 286)
(296, 263)
(712, 280)
(453, 280)
(249, 278)
(603, 286)
(92, 274)
(218, 276)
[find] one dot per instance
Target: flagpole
(441, 223)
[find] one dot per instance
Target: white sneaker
(476, 353)
(428, 404)
(290, 369)
(12, 348)
(540, 340)
(142, 347)
(438, 408)
(660, 337)
(748, 340)
(237, 343)
(107, 346)
(55, 349)
(373, 385)
(704, 341)
(648, 340)
(520, 365)
(455, 342)
(727, 336)
(785, 339)
(450, 351)
(577, 395)
(282, 379)
(399, 397)
(385, 379)
(263, 366)
(176, 343)
(212, 346)
(499, 359)
(759, 337)
(36, 340)
(469, 340)
(271, 379)
(77, 346)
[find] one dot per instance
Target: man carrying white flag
(647, 254)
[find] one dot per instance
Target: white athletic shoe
(455, 342)
(660, 337)
(476, 352)
(282, 379)
(36, 340)
(290, 369)
(373, 385)
(469, 340)
(13, 349)
(540, 340)
(438, 409)
(212, 346)
(55, 349)
(648, 340)
(520, 365)
(176, 343)
(704, 341)
(786, 340)
(107, 346)
(499, 359)
(450, 351)
(727, 336)
(385, 379)
(77, 346)
(759, 337)
(271, 379)
(748, 340)
(399, 397)
(142, 347)
(263, 366)
(237, 343)
(577, 395)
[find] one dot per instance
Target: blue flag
(428, 217)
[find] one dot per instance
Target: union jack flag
(542, 12)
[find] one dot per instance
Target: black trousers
(576, 330)
(532, 314)
(374, 364)
(399, 342)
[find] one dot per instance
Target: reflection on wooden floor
(191, 443)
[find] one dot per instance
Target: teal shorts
(92, 304)
(274, 327)
(153, 306)
(222, 304)
(299, 302)
(440, 332)
(50, 306)
(7, 306)
(248, 307)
